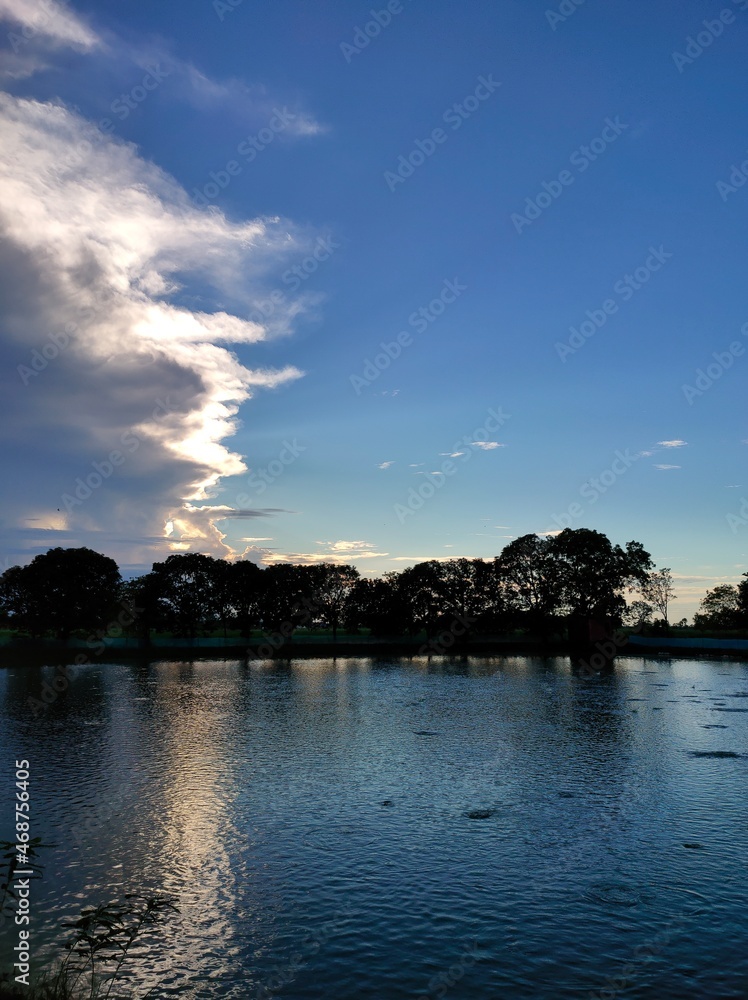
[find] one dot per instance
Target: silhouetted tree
(743, 601)
(285, 598)
(658, 590)
(492, 600)
(593, 573)
(143, 598)
(61, 590)
(332, 592)
(378, 605)
(638, 613)
(529, 570)
(421, 591)
(719, 609)
(188, 585)
(244, 582)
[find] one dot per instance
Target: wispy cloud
(385, 465)
(50, 20)
(329, 552)
(487, 445)
(675, 443)
(664, 468)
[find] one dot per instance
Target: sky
(294, 281)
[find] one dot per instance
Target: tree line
(537, 583)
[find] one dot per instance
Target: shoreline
(311, 647)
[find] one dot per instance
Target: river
(358, 828)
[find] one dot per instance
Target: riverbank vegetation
(537, 585)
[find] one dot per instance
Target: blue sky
(293, 130)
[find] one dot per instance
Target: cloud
(451, 454)
(47, 26)
(676, 443)
(664, 468)
(420, 559)
(385, 465)
(251, 103)
(50, 20)
(332, 552)
(99, 354)
(487, 445)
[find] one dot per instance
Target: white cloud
(385, 465)
(420, 559)
(666, 467)
(487, 445)
(451, 454)
(102, 241)
(49, 19)
(332, 552)
(676, 443)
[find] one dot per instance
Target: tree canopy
(538, 583)
(61, 590)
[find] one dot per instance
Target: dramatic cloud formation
(98, 244)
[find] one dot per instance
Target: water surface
(488, 827)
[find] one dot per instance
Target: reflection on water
(371, 828)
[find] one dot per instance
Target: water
(492, 827)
